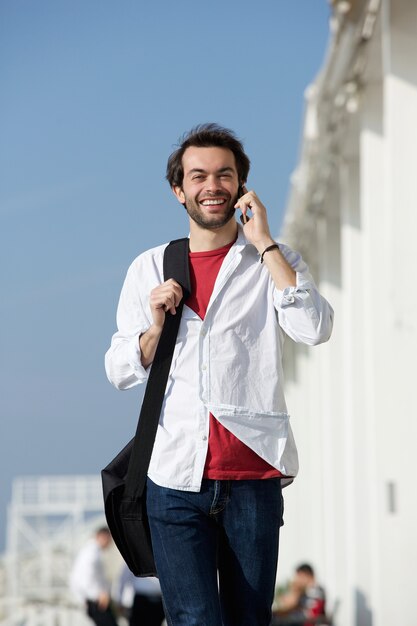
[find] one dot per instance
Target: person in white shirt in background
(141, 599)
(88, 580)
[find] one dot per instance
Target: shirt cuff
(134, 356)
(288, 296)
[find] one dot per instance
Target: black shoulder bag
(124, 478)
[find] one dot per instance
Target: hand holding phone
(256, 227)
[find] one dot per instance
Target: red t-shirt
(228, 458)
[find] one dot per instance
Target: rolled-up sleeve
(123, 364)
(303, 313)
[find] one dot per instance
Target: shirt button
(204, 437)
(203, 332)
(204, 366)
(289, 299)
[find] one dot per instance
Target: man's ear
(178, 193)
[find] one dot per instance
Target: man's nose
(213, 184)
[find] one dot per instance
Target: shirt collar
(241, 240)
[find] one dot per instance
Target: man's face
(302, 580)
(210, 186)
(104, 540)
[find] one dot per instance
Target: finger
(244, 205)
(170, 309)
(175, 290)
(171, 301)
(167, 290)
(178, 295)
(171, 282)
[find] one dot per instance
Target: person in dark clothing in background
(304, 600)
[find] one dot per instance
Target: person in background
(142, 598)
(88, 580)
(304, 600)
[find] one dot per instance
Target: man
(88, 580)
(304, 601)
(224, 444)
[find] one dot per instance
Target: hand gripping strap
(175, 266)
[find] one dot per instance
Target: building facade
(352, 212)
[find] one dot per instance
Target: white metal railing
(49, 518)
(20, 612)
(44, 490)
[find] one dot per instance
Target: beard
(210, 222)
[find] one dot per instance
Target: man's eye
(197, 177)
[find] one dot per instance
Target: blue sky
(95, 94)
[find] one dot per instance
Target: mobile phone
(243, 218)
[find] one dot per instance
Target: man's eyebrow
(199, 170)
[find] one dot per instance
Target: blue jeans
(216, 551)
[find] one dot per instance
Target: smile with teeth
(213, 202)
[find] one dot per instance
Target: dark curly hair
(207, 136)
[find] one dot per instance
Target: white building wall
(375, 242)
(352, 511)
(400, 432)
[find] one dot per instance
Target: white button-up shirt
(229, 364)
(87, 578)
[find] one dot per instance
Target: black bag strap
(175, 266)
